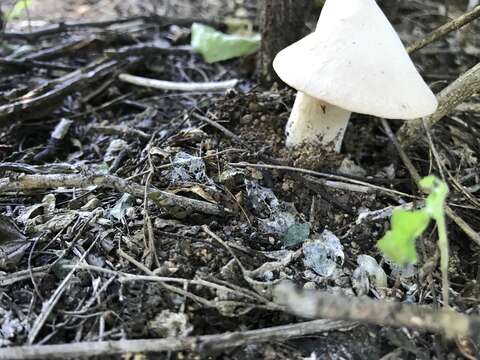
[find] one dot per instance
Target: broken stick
(178, 206)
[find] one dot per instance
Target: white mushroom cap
(355, 60)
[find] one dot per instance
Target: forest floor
(159, 213)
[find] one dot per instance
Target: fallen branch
(319, 304)
(178, 86)
(42, 99)
(198, 344)
(445, 29)
(178, 206)
(448, 99)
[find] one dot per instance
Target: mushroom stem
(316, 122)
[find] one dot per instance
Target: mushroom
(353, 62)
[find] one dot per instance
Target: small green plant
(398, 244)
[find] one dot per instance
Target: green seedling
(398, 244)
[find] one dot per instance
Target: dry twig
(357, 185)
(222, 128)
(198, 344)
(178, 205)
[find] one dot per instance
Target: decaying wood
(179, 206)
(282, 22)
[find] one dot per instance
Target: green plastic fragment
(216, 46)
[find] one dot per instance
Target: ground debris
(174, 215)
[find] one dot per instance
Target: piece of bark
(282, 22)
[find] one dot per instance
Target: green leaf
(398, 244)
(216, 46)
(438, 192)
(17, 10)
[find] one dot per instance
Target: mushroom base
(316, 122)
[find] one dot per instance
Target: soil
(129, 236)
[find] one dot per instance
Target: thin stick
(198, 344)
(415, 175)
(325, 175)
(467, 229)
(178, 86)
(209, 232)
(222, 128)
(445, 29)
